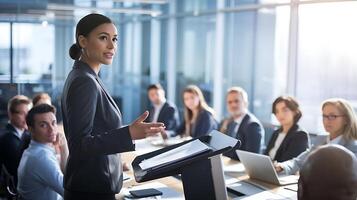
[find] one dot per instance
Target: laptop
(260, 167)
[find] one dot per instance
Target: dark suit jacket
(11, 149)
(295, 142)
(168, 115)
(93, 127)
(251, 135)
(205, 123)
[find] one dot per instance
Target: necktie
(231, 130)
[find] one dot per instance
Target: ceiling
(20, 10)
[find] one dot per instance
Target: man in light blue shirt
(39, 173)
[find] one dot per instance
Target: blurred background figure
(198, 116)
(242, 124)
(290, 139)
(41, 98)
(15, 138)
(162, 110)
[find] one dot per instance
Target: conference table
(233, 173)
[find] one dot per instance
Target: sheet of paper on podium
(188, 150)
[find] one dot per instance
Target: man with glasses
(15, 138)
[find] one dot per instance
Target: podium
(202, 174)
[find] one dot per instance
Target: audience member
(242, 124)
(199, 119)
(290, 139)
(44, 98)
(162, 110)
(41, 98)
(329, 173)
(40, 175)
(15, 138)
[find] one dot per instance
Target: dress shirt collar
(240, 119)
(33, 143)
(18, 131)
(336, 140)
(158, 107)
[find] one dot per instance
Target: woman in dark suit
(199, 117)
(91, 119)
(290, 139)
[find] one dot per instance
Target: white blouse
(277, 144)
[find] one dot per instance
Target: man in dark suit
(15, 138)
(242, 124)
(162, 111)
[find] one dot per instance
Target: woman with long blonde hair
(198, 116)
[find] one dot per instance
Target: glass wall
(195, 55)
(327, 62)
(255, 56)
(33, 50)
(5, 51)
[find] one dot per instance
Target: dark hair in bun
(84, 27)
(75, 51)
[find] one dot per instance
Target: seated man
(44, 98)
(15, 138)
(39, 173)
(330, 172)
(242, 124)
(161, 110)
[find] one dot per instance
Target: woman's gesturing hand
(140, 129)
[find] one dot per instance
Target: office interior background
(304, 48)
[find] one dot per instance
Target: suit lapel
(84, 66)
(12, 129)
(159, 118)
(151, 114)
(272, 141)
(107, 95)
(242, 124)
(286, 140)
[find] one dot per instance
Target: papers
(238, 168)
(265, 195)
(168, 142)
(180, 153)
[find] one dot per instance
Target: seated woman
(289, 140)
(199, 119)
(339, 120)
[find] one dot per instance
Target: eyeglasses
(331, 117)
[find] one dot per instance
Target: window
(255, 59)
(195, 55)
(5, 51)
(327, 62)
(33, 51)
